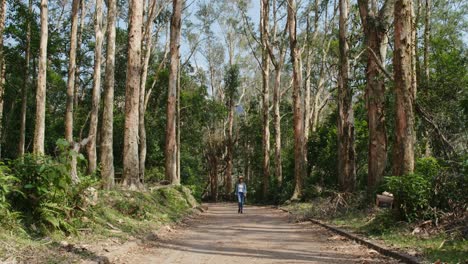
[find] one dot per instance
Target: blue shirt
(243, 187)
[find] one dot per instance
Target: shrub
(428, 167)
(8, 218)
(412, 194)
(46, 196)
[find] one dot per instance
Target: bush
(46, 196)
(412, 194)
(8, 218)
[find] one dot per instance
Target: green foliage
(8, 219)
(428, 167)
(46, 197)
(232, 82)
(383, 222)
(412, 194)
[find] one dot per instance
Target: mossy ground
(379, 225)
(118, 215)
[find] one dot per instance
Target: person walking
(241, 193)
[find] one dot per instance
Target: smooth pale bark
(278, 63)
(178, 128)
(71, 88)
(346, 151)
(78, 49)
(146, 50)
(107, 150)
(299, 157)
(24, 88)
(96, 98)
(171, 144)
(310, 39)
(277, 121)
(131, 177)
(403, 150)
(71, 71)
(376, 46)
(427, 36)
(264, 24)
(39, 128)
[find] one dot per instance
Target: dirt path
(260, 235)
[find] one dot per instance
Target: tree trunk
(376, 44)
(146, 48)
(131, 178)
(2, 68)
(171, 144)
(178, 127)
(71, 86)
(214, 179)
(24, 89)
(2, 102)
(93, 124)
(107, 150)
(229, 154)
(346, 152)
(264, 24)
(299, 157)
(78, 49)
(277, 125)
(403, 150)
(71, 72)
(427, 36)
(39, 128)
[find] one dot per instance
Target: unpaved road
(260, 235)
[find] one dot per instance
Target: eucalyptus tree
(96, 96)
(131, 178)
(375, 23)
(2, 67)
(299, 142)
(26, 84)
(171, 144)
(404, 75)
(346, 151)
(107, 148)
(39, 128)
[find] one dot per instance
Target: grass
(119, 215)
(380, 225)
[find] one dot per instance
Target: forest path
(260, 235)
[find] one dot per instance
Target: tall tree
(171, 145)
(71, 85)
(403, 150)
(264, 24)
(278, 59)
(346, 152)
(375, 24)
(26, 84)
(427, 36)
(146, 49)
(132, 95)
(231, 82)
(107, 150)
(78, 50)
(71, 71)
(2, 67)
(299, 153)
(39, 128)
(93, 124)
